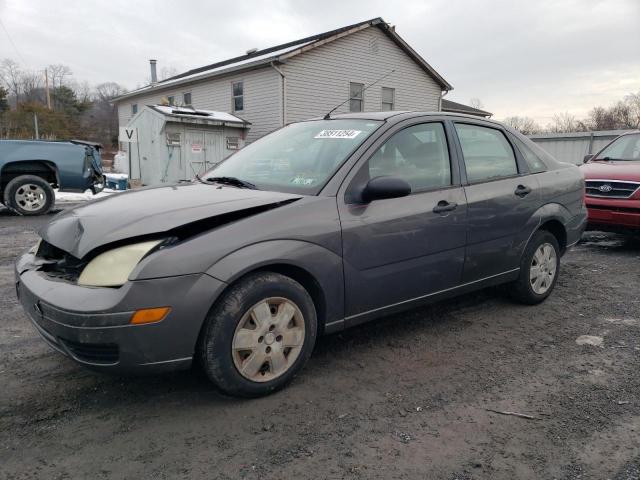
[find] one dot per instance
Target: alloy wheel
(30, 197)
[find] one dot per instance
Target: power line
(12, 44)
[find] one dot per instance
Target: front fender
(318, 262)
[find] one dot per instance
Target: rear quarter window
(534, 162)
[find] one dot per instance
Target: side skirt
(369, 315)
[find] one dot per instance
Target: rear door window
(488, 155)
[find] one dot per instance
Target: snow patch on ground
(590, 340)
(629, 322)
(62, 197)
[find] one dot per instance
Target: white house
(304, 78)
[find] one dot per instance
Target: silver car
(319, 226)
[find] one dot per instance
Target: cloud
(518, 57)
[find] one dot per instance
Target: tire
(527, 290)
(253, 313)
(29, 195)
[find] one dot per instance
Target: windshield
(626, 147)
(298, 158)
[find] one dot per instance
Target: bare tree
(633, 101)
(524, 125)
(476, 103)
(565, 123)
(11, 75)
(103, 115)
(32, 86)
(57, 76)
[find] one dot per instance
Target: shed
(169, 144)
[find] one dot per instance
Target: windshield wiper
(233, 181)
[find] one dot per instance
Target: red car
(612, 185)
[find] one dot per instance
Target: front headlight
(112, 268)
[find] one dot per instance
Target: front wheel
(258, 335)
(29, 195)
(539, 268)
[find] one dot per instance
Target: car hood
(625, 170)
(150, 211)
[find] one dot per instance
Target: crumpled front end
(94, 326)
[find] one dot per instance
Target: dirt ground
(405, 397)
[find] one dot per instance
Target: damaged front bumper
(92, 325)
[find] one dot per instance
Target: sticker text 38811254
(345, 134)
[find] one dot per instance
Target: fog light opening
(149, 315)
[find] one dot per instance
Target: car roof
(404, 114)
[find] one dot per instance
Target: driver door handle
(522, 191)
(444, 206)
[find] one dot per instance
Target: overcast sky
(527, 57)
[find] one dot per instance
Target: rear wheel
(29, 195)
(539, 269)
(259, 335)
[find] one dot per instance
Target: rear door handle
(522, 191)
(444, 206)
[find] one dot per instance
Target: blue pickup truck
(31, 169)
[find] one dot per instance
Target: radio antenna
(328, 115)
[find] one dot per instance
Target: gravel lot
(405, 397)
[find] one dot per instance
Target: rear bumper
(91, 325)
(614, 215)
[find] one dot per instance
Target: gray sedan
(319, 226)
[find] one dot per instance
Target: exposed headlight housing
(113, 267)
(35, 248)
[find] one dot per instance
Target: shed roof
(281, 52)
(455, 107)
(198, 116)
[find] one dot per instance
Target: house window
(388, 99)
(186, 98)
(237, 91)
(171, 100)
(356, 100)
(134, 108)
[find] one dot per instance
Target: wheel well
(557, 229)
(41, 168)
(301, 276)
(309, 283)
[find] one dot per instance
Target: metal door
(195, 153)
(204, 150)
(501, 199)
(214, 149)
(402, 249)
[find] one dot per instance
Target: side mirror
(587, 158)
(379, 188)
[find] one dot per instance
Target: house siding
(319, 79)
(316, 81)
(262, 99)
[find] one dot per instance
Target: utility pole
(46, 87)
(35, 125)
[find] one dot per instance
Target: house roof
(455, 107)
(280, 53)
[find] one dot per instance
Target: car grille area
(610, 188)
(95, 353)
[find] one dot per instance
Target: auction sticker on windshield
(348, 134)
